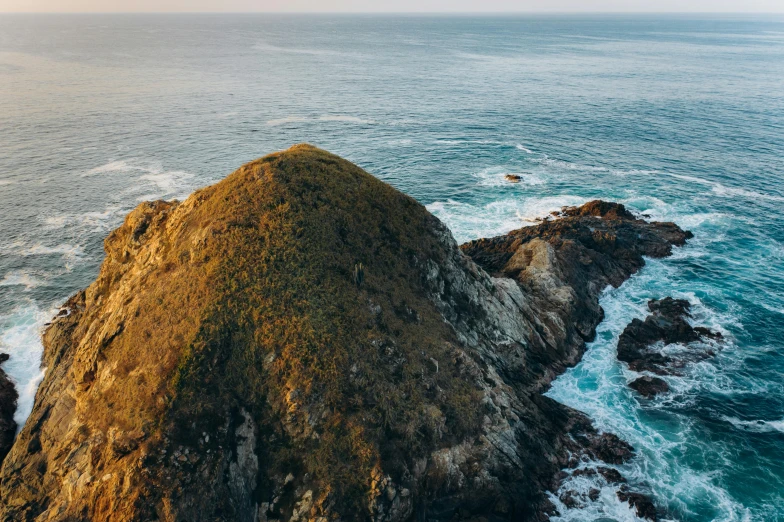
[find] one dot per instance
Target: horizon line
(500, 12)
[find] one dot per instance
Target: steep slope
(233, 362)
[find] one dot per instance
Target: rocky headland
(301, 341)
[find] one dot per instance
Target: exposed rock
(8, 398)
(667, 324)
(643, 505)
(648, 386)
(561, 267)
(611, 475)
(226, 364)
(513, 178)
(610, 449)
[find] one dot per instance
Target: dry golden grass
(264, 314)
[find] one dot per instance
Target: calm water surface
(681, 118)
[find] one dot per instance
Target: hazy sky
(392, 5)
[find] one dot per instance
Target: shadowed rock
(8, 399)
(642, 504)
(649, 386)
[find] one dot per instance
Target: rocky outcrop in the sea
(641, 344)
(229, 364)
(562, 266)
(8, 398)
(649, 386)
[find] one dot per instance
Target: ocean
(678, 117)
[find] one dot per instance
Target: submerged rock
(8, 400)
(226, 364)
(513, 178)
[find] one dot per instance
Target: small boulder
(642, 504)
(649, 386)
(513, 178)
(611, 475)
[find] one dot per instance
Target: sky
(53, 6)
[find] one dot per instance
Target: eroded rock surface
(225, 365)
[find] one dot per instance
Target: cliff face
(233, 361)
(8, 398)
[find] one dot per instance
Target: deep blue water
(678, 117)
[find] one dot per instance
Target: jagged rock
(611, 475)
(642, 504)
(8, 399)
(666, 324)
(562, 266)
(649, 386)
(225, 365)
(611, 449)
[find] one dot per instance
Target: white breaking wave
(722, 190)
(772, 308)
(598, 386)
(169, 183)
(20, 278)
(147, 175)
(21, 340)
(66, 250)
(469, 222)
(496, 177)
(115, 166)
(569, 165)
(558, 164)
(757, 426)
(96, 221)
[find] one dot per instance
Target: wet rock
(611, 449)
(570, 499)
(667, 324)
(649, 386)
(642, 504)
(8, 400)
(513, 178)
(611, 475)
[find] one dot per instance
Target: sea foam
(21, 340)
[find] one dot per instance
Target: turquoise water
(681, 118)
